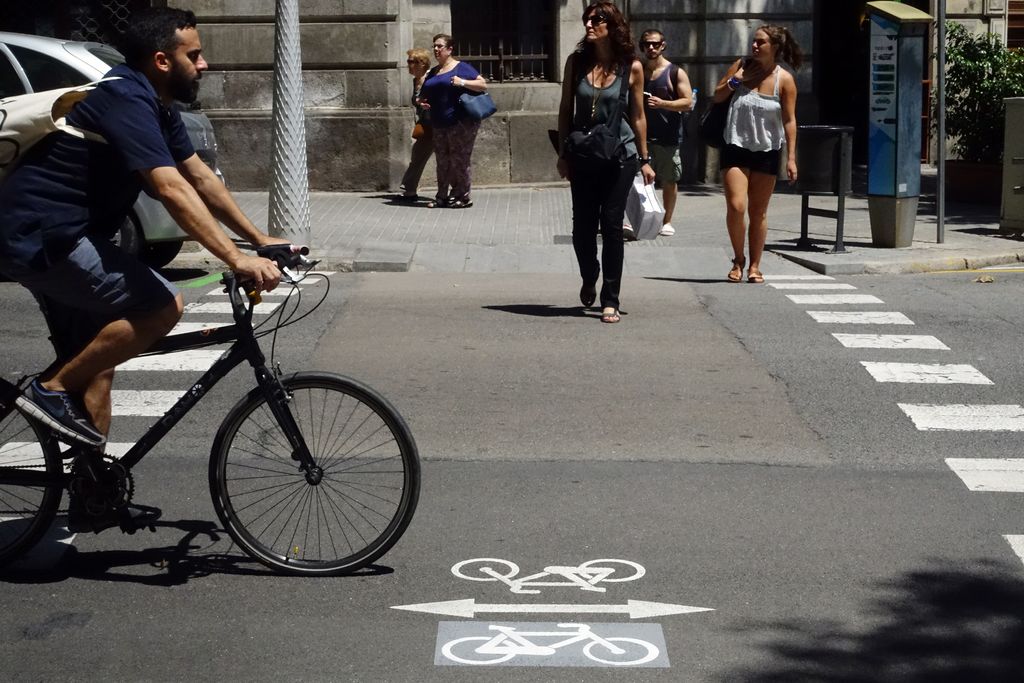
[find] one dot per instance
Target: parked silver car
(34, 63)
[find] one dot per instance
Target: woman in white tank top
(761, 117)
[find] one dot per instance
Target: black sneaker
(129, 518)
(60, 412)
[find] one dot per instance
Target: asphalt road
(719, 437)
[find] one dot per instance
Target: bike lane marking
(544, 644)
(469, 608)
(556, 644)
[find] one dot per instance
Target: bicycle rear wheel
(26, 511)
(298, 525)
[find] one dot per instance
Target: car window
(10, 84)
(46, 73)
(109, 55)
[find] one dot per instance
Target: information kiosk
(898, 34)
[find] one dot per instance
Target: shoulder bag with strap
(27, 119)
(599, 143)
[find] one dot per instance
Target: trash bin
(824, 159)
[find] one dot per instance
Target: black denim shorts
(762, 162)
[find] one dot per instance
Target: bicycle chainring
(111, 489)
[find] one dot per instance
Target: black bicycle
(311, 473)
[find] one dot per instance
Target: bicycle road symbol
(506, 642)
(585, 576)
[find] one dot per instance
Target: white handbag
(643, 210)
(27, 119)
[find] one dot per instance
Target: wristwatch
(645, 160)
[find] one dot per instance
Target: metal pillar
(940, 115)
(289, 191)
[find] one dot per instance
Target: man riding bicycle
(67, 197)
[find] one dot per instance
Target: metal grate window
(98, 20)
(507, 41)
(1015, 24)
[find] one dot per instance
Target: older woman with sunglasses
(418, 62)
(592, 95)
(454, 133)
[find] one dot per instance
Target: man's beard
(183, 88)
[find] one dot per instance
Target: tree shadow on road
(942, 623)
(204, 550)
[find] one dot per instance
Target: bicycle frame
(508, 640)
(244, 347)
(574, 576)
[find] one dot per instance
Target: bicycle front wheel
(334, 523)
(26, 510)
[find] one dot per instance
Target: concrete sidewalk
(527, 229)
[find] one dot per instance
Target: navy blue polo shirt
(66, 187)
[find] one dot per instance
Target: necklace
(594, 87)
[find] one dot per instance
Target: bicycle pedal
(135, 517)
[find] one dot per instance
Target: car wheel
(159, 254)
(129, 237)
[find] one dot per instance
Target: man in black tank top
(667, 95)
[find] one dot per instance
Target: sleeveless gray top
(604, 108)
(755, 120)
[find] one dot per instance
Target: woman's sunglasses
(595, 19)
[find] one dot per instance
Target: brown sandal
(736, 272)
(755, 276)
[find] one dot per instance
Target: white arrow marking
(636, 609)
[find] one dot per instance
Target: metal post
(940, 115)
(805, 241)
(289, 191)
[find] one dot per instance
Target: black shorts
(762, 162)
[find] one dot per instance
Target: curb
(820, 263)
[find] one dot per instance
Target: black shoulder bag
(599, 143)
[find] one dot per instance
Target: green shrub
(980, 72)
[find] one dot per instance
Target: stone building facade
(357, 89)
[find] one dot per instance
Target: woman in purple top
(454, 132)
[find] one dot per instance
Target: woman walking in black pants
(602, 86)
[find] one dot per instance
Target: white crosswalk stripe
(129, 402)
(834, 299)
(890, 341)
(925, 373)
(1004, 475)
(185, 328)
(773, 278)
(965, 418)
(808, 286)
(280, 292)
(860, 317)
(13, 451)
(1017, 544)
(192, 360)
(224, 308)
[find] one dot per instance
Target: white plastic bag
(643, 210)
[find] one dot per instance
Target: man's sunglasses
(644, 44)
(595, 19)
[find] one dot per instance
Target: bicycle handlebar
(287, 255)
